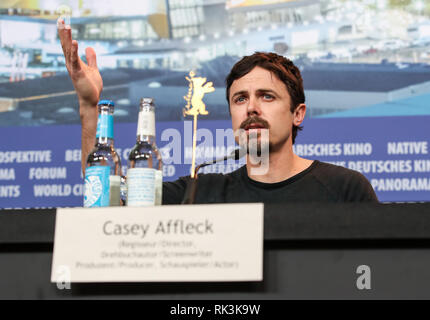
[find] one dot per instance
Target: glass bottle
(144, 173)
(103, 168)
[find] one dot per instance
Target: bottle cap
(106, 103)
(147, 101)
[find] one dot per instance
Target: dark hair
(281, 67)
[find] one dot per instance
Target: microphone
(190, 192)
(235, 154)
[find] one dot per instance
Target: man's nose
(253, 107)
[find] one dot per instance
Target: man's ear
(299, 114)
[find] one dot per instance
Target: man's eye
(268, 97)
(239, 99)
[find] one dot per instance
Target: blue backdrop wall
(365, 66)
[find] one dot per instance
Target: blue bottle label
(105, 126)
(97, 186)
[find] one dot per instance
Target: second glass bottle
(144, 173)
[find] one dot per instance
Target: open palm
(86, 78)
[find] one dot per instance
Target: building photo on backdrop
(365, 66)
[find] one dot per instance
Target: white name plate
(220, 242)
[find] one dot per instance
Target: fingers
(74, 57)
(60, 23)
(65, 34)
(91, 57)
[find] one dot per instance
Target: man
(264, 92)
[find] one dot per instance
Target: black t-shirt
(320, 182)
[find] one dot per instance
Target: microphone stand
(190, 192)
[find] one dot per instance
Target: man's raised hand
(86, 79)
